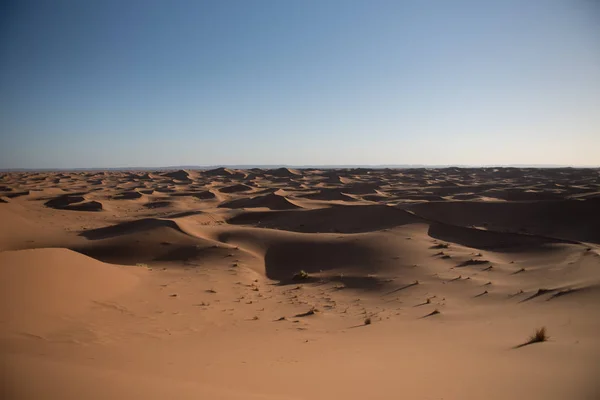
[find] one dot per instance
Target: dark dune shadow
(73, 202)
(128, 227)
(158, 204)
(570, 221)
(235, 188)
(129, 250)
(339, 219)
(271, 201)
(489, 240)
(183, 253)
(12, 195)
(64, 200)
(127, 195)
(85, 206)
(202, 195)
(283, 260)
(164, 190)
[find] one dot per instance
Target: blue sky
(157, 83)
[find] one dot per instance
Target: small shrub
(540, 335)
(368, 321)
(300, 275)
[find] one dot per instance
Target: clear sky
(122, 83)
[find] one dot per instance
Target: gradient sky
(157, 83)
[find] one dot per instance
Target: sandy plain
(300, 284)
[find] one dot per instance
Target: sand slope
(41, 286)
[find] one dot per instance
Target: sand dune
(568, 219)
(300, 284)
(235, 188)
(128, 195)
(74, 202)
(283, 172)
(141, 241)
(125, 228)
(489, 240)
(40, 287)
(180, 175)
(19, 232)
(338, 219)
(202, 195)
(223, 172)
(329, 194)
(271, 201)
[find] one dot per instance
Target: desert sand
(300, 284)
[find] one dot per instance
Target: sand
(300, 284)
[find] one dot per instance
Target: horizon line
(298, 166)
